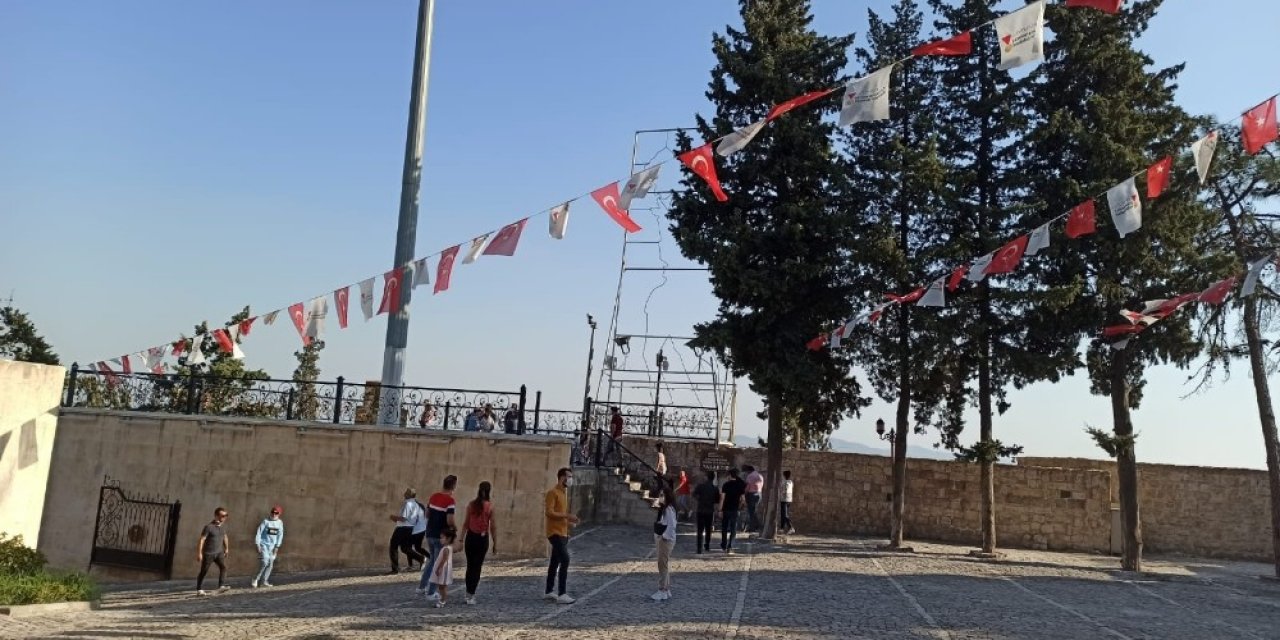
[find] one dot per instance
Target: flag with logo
(444, 270)
(391, 284)
(978, 270)
(505, 241)
(1202, 150)
(607, 198)
(366, 298)
(196, 355)
(316, 311)
(1126, 207)
(477, 246)
(1039, 240)
(866, 99)
(703, 164)
(559, 221)
(270, 318)
(421, 274)
(638, 186)
(1021, 36)
(1255, 270)
(153, 359)
(739, 139)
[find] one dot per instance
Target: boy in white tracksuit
(269, 538)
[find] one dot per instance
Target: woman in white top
(664, 536)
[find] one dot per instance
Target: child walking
(442, 573)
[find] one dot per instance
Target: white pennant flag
(420, 273)
(197, 353)
(316, 312)
(1021, 36)
(270, 318)
(936, 295)
(638, 186)
(477, 246)
(1126, 207)
(978, 270)
(559, 221)
(153, 359)
(1255, 270)
(833, 341)
(866, 99)
(1202, 150)
(1120, 345)
(366, 298)
(1039, 240)
(739, 139)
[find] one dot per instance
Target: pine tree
(896, 178)
(779, 251)
(1101, 116)
(306, 401)
(20, 341)
(227, 386)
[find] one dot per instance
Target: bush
(46, 587)
(17, 559)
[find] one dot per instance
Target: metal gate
(135, 533)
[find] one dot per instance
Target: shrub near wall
(24, 580)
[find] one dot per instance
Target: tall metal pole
(407, 229)
(591, 356)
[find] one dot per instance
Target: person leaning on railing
(428, 414)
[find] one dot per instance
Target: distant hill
(847, 446)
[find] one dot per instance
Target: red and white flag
(123, 363)
(341, 302)
(112, 378)
(1021, 36)
(957, 274)
(739, 139)
(936, 295)
(607, 198)
(505, 241)
(366, 298)
(1137, 317)
(702, 163)
(1163, 308)
(444, 270)
(246, 325)
(1255, 271)
(978, 269)
(906, 299)
(957, 45)
(1217, 292)
(299, 316)
(1259, 127)
(421, 273)
(877, 312)
(1108, 6)
(866, 99)
(316, 311)
(1126, 207)
(1158, 177)
(179, 346)
(1039, 240)
(153, 359)
(226, 344)
(392, 281)
(1081, 221)
(1202, 150)
(779, 109)
(559, 221)
(638, 186)
(1008, 257)
(477, 246)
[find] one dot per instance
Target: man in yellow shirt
(558, 522)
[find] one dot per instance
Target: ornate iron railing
(686, 422)
(613, 454)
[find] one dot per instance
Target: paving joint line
(1170, 601)
(910, 598)
(735, 619)
(1055, 603)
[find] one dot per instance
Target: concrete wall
(29, 398)
(1205, 511)
(338, 485)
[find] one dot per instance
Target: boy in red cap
(269, 538)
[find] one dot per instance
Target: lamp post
(591, 355)
(657, 391)
(890, 436)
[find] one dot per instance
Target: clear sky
(166, 163)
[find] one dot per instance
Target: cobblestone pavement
(806, 587)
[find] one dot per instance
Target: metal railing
(611, 453)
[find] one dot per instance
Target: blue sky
(166, 163)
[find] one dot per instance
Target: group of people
(435, 524)
(480, 419)
(214, 547)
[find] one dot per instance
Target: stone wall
(29, 397)
(1205, 511)
(338, 485)
(845, 493)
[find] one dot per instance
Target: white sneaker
(666, 595)
(202, 592)
(471, 599)
(225, 587)
(658, 596)
(254, 583)
(566, 599)
(267, 584)
(439, 603)
(434, 597)
(549, 596)
(419, 591)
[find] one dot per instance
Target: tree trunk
(1126, 464)
(896, 534)
(987, 475)
(773, 472)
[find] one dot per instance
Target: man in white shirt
(402, 537)
(785, 511)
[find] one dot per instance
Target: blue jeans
(728, 528)
(753, 518)
(433, 544)
(268, 557)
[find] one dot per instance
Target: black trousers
(476, 547)
(703, 541)
(786, 515)
(415, 541)
(402, 541)
(559, 562)
(211, 558)
(728, 528)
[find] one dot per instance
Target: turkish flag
(1259, 126)
(1122, 330)
(1217, 292)
(505, 241)
(1158, 176)
(391, 284)
(702, 163)
(1164, 308)
(444, 270)
(817, 343)
(1108, 6)
(246, 325)
(907, 299)
(342, 301)
(798, 101)
(957, 45)
(179, 346)
(1081, 221)
(225, 344)
(300, 321)
(956, 276)
(607, 197)
(125, 367)
(1007, 258)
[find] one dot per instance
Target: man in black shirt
(213, 549)
(731, 495)
(707, 497)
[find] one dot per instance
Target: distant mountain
(848, 446)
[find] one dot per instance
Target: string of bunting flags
(865, 99)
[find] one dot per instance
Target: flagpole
(407, 228)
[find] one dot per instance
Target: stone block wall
(29, 397)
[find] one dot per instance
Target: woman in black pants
(480, 533)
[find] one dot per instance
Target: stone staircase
(614, 497)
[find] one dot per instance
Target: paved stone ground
(804, 588)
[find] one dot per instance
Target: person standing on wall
(440, 508)
(785, 504)
(479, 535)
(707, 496)
(402, 535)
(664, 537)
(730, 502)
(213, 548)
(269, 538)
(755, 484)
(511, 420)
(488, 419)
(616, 424)
(558, 521)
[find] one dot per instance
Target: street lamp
(591, 355)
(891, 436)
(655, 426)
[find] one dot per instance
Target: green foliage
(47, 587)
(17, 559)
(1113, 444)
(230, 384)
(306, 402)
(20, 341)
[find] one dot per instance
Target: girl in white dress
(442, 573)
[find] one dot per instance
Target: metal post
(591, 356)
(288, 407)
(599, 444)
(524, 399)
(445, 425)
(71, 385)
(537, 410)
(191, 391)
(337, 401)
(407, 228)
(657, 391)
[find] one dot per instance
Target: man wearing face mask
(558, 522)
